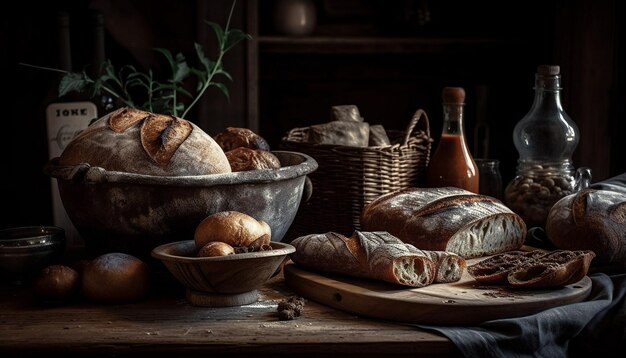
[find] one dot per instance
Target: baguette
(533, 269)
(376, 255)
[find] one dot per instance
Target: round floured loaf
(135, 141)
(446, 219)
(591, 220)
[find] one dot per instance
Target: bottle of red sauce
(452, 164)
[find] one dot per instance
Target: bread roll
(134, 141)
(446, 219)
(115, 278)
(242, 159)
(533, 269)
(234, 137)
(56, 284)
(234, 228)
(216, 248)
(591, 220)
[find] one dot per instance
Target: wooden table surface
(165, 324)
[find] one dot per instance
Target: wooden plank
(167, 324)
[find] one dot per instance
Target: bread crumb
(291, 308)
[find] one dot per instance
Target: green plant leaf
(219, 33)
(222, 88)
(73, 82)
(233, 37)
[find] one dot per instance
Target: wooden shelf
(378, 45)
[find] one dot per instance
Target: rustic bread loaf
(134, 141)
(235, 137)
(242, 159)
(533, 269)
(446, 219)
(591, 220)
(375, 255)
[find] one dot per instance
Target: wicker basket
(348, 178)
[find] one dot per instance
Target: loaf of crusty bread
(534, 269)
(594, 220)
(446, 219)
(135, 141)
(375, 255)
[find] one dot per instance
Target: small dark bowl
(24, 251)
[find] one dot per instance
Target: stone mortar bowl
(134, 213)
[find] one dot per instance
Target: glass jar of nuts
(537, 187)
(545, 139)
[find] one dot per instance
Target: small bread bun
(234, 137)
(242, 159)
(56, 284)
(232, 227)
(216, 248)
(115, 278)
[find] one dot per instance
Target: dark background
(373, 54)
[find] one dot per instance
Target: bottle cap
(453, 95)
(548, 70)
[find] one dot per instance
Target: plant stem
(218, 64)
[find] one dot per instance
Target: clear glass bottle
(452, 164)
(545, 139)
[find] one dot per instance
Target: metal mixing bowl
(24, 251)
(133, 213)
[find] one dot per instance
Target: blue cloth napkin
(593, 328)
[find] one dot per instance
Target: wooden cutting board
(459, 303)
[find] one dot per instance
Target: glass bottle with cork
(545, 139)
(452, 163)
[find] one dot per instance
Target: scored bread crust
(166, 146)
(376, 255)
(446, 219)
(533, 269)
(591, 219)
(235, 137)
(242, 159)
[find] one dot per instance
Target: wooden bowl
(221, 281)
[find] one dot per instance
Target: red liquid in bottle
(452, 163)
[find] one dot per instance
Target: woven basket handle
(425, 125)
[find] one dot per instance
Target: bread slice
(558, 268)
(495, 269)
(533, 269)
